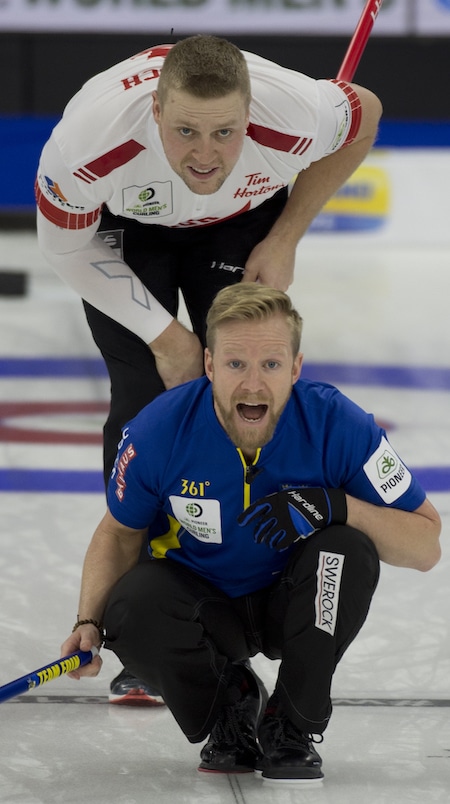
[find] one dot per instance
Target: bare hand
(178, 355)
(271, 263)
(84, 638)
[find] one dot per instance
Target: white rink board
(327, 17)
(403, 191)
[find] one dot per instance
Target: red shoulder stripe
(108, 162)
(289, 143)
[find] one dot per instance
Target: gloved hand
(282, 518)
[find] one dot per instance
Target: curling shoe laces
(233, 744)
(289, 753)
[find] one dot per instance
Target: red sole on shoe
(135, 698)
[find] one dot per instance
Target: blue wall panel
(22, 139)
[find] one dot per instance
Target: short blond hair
(248, 301)
(206, 67)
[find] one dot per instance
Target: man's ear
(208, 364)
(297, 367)
(156, 107)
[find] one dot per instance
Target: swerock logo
(329, 574)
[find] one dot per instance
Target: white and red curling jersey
(106, 149)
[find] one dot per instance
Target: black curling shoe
(233, 743)
(289, 753)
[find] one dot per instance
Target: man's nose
(253, 380)
(204, 149)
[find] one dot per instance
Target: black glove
(282, 518)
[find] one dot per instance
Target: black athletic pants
(197, 261)
(179, 633)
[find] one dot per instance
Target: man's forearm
(314, 187)
(178, 355)
(109, 556)
(318, 183)
(94, 271)
(402, 538)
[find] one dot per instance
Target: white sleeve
(66, 229)
(95, 272)
(339, 115)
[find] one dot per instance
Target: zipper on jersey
(248, 474)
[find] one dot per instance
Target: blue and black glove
(282, 518)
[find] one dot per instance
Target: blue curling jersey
(178, 473)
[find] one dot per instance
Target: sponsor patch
(329, 574)
(54, 189)
(114, 239)
(120, 469)
(201, 518)
(388, 475)
(150, 200)
(223, 266)
(54, 193)
(344, 126)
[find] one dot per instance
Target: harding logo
(329, 574)
(223, 266)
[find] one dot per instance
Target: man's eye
(271, 364)
(185, 131)
(235, 363)
(224, 132)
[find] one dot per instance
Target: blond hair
(251, 302)
(206, 67)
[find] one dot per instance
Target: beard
(246, 437)
(197, 186)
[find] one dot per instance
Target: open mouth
(251, 413)
(203, 173)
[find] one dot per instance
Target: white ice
(389, 738)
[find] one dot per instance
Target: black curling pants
(198, 261)
(178, 632)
